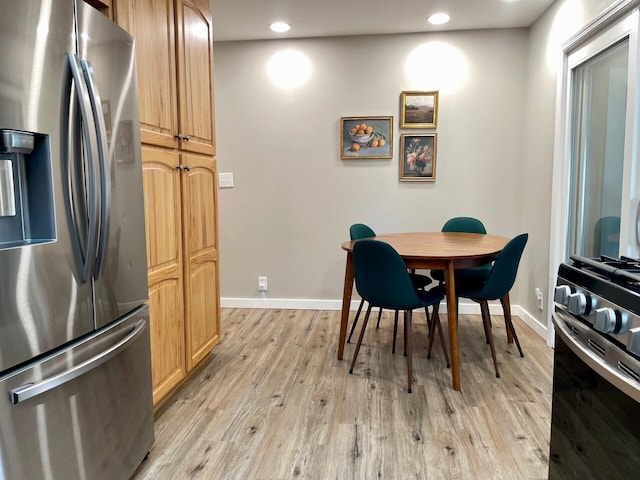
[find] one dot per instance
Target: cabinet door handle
(179, 167)
(187, 168)
(186, 138)
(179, 136)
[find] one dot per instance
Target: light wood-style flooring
(273, 402)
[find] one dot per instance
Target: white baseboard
(284, 303)
(464, 308)
(529, 319)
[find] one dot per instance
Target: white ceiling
(250, 19)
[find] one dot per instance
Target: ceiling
(250, 19)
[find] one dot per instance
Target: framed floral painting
(419, 109)
(366, 137)
(418, 157)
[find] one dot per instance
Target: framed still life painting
(366, 137)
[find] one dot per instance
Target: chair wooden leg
(436, 320)
(429, 320)
(379, 316)
(355, 320)
(407, 321)
(432, 329)
(431, 337)
(484, 326)
(486, 318)
(404, 339)
(511, 331)
(515, 337)
(364, 326)
(395, 331)
(506, 308)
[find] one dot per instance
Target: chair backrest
(381, 276)
(360, 230)
(606, 231)
(503, 273)
(464, 225)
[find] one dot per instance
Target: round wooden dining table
(445, 251)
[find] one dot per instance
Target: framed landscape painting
(419, 109)
(366, 137)
(418, 158)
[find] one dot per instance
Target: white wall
(295, 198)
(545, 41)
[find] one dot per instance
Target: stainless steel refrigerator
(75, 374)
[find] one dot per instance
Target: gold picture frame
(419, 109)
(418, 157)
(366, 137)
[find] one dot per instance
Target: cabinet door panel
(163, 229)
(161, 181)
(151, 22)
(167, 336)
(195, 77)
(200, 204)
(201, 256)
(202, 327)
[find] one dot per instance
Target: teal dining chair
(383, 281)
(464, 225)
(498, 284)
(358, 231)
(607, 233)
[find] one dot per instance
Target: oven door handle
(570, 330)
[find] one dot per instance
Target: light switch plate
(225, 180)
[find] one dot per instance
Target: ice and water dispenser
(26, 189)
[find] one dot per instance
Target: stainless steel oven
(595, 424)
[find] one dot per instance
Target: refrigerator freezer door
(107, 56)
(83, 413)
(43, 301)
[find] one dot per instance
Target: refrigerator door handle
(68, 119)
(30, 390)
(92, 193)
(105, 180)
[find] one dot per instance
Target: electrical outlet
(262, 284)
(539, 299)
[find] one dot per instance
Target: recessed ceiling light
(280, 27)
(438, 18)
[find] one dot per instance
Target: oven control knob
(579, 303)
(633, 341)
(605, 320)
(561, 294)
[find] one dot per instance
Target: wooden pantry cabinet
(174, 60)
